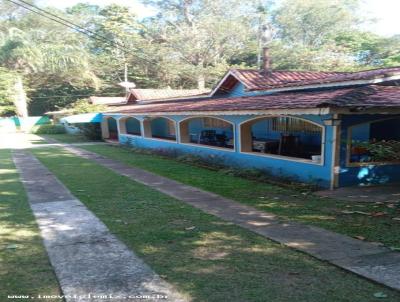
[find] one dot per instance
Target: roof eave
(282, 111)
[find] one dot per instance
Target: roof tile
(163, 94)
(367, 96)
(256, 80)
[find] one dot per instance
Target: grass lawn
(66, 138)
(288, 204)
(24, 266)
(205, 257)
(37, 140)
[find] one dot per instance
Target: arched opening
(109, 128)
(130, 125)
(283, 136)
(209, 131)
(375, 142)
(160, 127)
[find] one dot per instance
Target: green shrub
(216, 163)
(380, 151)
(83, 106)
(92, 131)
(49, 129)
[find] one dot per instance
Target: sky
(386, 12)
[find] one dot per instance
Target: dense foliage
(83, 106)
(92, 131)
(187, 44)
(379, 151)
(49, 129)
(7, 107)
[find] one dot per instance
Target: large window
(283, 136)
(160, 127)
(375, 142)
(207, 131)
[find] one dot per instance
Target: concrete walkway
(88, 260)
(18, 141)
(374, 262)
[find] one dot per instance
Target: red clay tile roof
(361, 97)
(160, 94)
(256, 80)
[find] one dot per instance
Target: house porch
(307, 148)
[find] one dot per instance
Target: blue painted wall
(239, 90)
(369, 174)
(360, 133)
(285, 167)
(132, 126)
(159, 127)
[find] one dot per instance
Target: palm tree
(35, 53)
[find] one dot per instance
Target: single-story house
(333, 128)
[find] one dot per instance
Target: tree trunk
(201, 82)
(20, 101)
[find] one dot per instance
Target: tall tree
(370, 49)
(7, 95)
(312, 23)
(44, 53)
(201, 35)
(307, 32)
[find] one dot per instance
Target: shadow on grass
(210, 259)
(25, 268)
(288, 204)
(66, 138)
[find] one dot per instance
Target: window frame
(284, 157)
